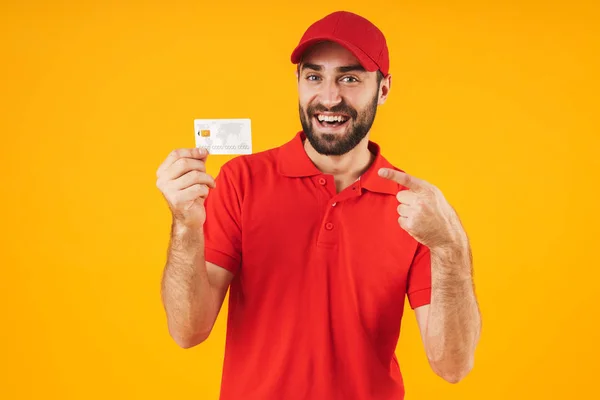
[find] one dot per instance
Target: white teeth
(331, 118)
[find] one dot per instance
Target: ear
(384, 89)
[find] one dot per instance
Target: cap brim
(362, 57)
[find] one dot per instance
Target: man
(320, 241)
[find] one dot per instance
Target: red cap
(355, 33)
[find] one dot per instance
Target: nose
(330, 94)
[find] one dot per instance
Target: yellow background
(494, 102)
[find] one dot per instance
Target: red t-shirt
(321, 278)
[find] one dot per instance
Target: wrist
(184, 224)
(454, 242)
(181, 227)
(451, 249)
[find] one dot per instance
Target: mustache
(341, 108)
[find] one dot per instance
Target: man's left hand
(424, 212)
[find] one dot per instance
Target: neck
(346, 168)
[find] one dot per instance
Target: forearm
(186, 291)
(454, 321)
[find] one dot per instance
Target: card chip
(205, 132)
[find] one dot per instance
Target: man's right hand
(184, 183)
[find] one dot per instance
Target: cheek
(356, 99)
(304, 97)
(305, 105)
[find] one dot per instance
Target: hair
(379, 76)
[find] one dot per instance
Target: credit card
(224, 136)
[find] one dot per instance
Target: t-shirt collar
(293, 162)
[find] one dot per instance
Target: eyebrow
(347, 68)
(350, 68)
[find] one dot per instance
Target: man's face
(338, 99)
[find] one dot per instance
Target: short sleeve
(223, 228)
(419, 278)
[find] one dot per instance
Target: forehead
(329, 55)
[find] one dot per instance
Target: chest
(306, 231)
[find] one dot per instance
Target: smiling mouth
(331, 121)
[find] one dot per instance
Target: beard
(357, 127)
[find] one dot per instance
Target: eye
(309, 77)
(349, 79)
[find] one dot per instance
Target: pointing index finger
(401, 178)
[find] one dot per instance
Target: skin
(193, 289)
(450, 325)
(354, 92)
